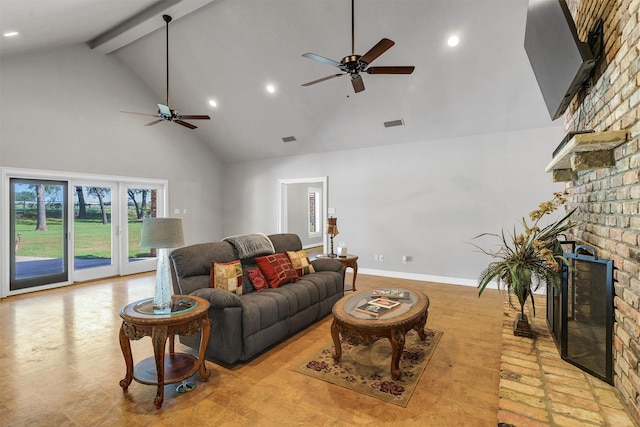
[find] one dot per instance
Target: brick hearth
(538, 388)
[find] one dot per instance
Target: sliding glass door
(73, 229)
(94, 236)
(142, 202)
(38, 244)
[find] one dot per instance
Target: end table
(188, 316)
(350, 260)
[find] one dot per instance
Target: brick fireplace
(608, 198)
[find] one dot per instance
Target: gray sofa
(244, 325)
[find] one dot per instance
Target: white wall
(425, 200)
(60, 110)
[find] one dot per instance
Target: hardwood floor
(60, 364)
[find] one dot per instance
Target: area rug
(366, 369)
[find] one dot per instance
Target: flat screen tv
(560, 61)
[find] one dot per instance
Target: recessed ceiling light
(271, 88)
(213, 103)
(11, 34)
(453, 41)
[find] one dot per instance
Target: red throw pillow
(257, 279)
(277, 269)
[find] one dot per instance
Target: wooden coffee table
(189, 315)
(362, 329)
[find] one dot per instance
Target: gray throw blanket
(251, 245)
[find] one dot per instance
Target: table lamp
(332, 231)
(162, 234)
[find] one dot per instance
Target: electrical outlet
(380, 257)
(375, 257)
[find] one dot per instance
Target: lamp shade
(161, 233)
(332, 226)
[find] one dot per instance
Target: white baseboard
(422, 277)
(438, 279)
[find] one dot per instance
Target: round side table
(188, 316)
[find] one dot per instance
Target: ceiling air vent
(393, 123)
(289, 139)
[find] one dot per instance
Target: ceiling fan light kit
(355, 64)
(165, 113)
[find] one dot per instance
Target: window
(315, 217)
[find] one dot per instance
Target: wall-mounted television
(560, 61)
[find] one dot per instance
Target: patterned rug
(366, 369)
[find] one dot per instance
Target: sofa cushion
(260, 310)
(257, 279)
(227, 276)
(195, 260)
(285, 242)
(187, 285)
(300, 262)
(218, 298)
(277, 269)
(300, 295)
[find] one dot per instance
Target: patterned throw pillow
(257, 279)
(300, 262)
(227, 276)
(277, 269)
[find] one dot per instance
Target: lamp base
(161, 308)
(162, 297)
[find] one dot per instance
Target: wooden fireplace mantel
(585, 151)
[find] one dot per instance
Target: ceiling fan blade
(321, 59)
(142, 114)
(155, 122)
(323, 79)
(193, 117)
(382, 46)
(358, 83)
(163, 109)
(185, 124)
(391, 70)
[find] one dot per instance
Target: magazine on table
(377, 307)
(384, 302)
(390, 293)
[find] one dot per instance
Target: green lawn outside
(92, 239)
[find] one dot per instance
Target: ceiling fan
(355, 64)
(164, 112)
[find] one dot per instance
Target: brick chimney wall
(608, 199)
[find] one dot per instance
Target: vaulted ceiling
(229, 50)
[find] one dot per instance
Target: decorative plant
(528, 259)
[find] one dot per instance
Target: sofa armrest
(326, 264)
(218, 298)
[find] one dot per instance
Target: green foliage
(525, 261)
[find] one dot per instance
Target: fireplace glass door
(587, 311)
